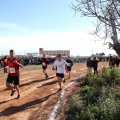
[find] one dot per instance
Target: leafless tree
(107, 14)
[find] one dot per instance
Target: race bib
(68, 64)
(12, 70)
(43, 63)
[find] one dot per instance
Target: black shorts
(44, 67)
(13, 79)
(60, 75)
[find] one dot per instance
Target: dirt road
(38, 94)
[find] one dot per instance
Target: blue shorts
(68, 68)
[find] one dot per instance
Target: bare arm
(20, 65)
(54, 66)
(66, 64)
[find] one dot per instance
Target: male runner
(44, 61)
(70, 64)
(61, 66)
(13, 76)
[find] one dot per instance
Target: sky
(27, 25)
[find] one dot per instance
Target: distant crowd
(59, 65)
(36, 60)
(25, 61)
(114, 61)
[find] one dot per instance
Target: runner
(61, 65)
(70, 64)
(44, 61)
(13, 76)
(4, 61)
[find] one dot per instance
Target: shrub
(97, 99)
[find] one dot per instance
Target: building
(54, 52)
(31, 54)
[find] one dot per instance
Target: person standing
(61, 65)
(89, 65)
(117, 61)
(4, 61)
(13, 76)
(95, 65)
(0, 63)
(44, 61)
(111, 61)
(70, 64)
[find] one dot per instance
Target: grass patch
(99, 97)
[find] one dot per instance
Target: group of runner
(13, 63)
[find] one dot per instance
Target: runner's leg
(16, 83)
(59, 81)
(8, 85)
(9, 82)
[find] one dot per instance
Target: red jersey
(13, 67)
(44, 62)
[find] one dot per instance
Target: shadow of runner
(48, 83)
(4, 90)
(34, 81)
(29, 83)
(15, 109)
(2, 102)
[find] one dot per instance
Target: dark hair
(11, 50)
(58, 55)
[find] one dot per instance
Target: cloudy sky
(27, 25)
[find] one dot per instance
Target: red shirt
(44, 62)
(13, 67)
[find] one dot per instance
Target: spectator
(4, 62)
(117, 61)
(95, 65)
(112, 61)
(89, 64)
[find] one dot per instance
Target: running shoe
(59, 89)
(63, 80)
(12, 93)
(46, 76)
(19, 96)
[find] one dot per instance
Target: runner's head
(12, 53)
(43, 55)
(68, 58)
(59, 56)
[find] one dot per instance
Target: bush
(90, 94)
(92, 80)
(97, 99)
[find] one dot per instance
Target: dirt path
(38, 94)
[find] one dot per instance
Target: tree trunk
(114, 31)
(117, 48)
(116, 44)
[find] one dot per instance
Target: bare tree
(107, 14)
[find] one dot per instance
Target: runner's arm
(19, 64)
(66, 64)
(71, 63)
(54, 66)
(48, 61)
